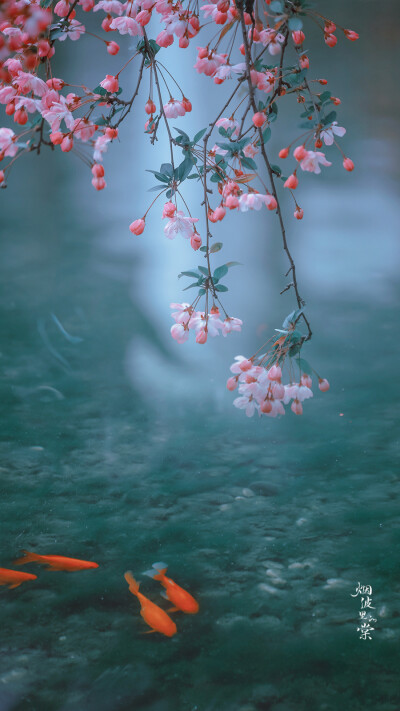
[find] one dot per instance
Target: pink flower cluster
(204, 325)
(261, 389)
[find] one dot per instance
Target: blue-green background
(124, 448)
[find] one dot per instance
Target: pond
(119, 446)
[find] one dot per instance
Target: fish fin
(161, 567)
(149, 631)
(14, 585)
(27, 558)
(149, 573)
(165, 596)
(173, 609)
(133, 584)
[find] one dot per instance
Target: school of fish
(153, 615)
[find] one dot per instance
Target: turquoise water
(121, 447)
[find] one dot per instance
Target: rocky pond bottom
(271, 525)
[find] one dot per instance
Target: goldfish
(181, 599)
(55, 562)
(153, 615)
(13, 578)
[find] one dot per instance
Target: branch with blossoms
(258, 47)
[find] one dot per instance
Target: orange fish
(181, 599)
(13, 578)
(56, 562)
(153, 615)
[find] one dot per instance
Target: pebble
(269, 589)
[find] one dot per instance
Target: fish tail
(161, 569)
(27, 558)
(133, 584)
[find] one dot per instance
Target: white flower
(327, 133)
(179, 224)
(311, 163)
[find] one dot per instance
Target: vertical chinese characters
(365, 617)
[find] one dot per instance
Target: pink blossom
(127, 26)
(247, 404)
(273, 40)
(231, 324)
(250, 151)
(74, 32)
(174, 109)
(296, 407)
(227, 123)
(100, 147)
(327, 134)
(179, 332)
(110, 6)
(323, 385)
(59, 111)
(180, 224)
(313, 161)
(7, 146)
(254, 201)
(29, 82)
(183, 314)
(110, 83)
(275, 373)
(165, 39)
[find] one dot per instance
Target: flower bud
(299, 153)
(259, 119)
(283, 153)
(137, 227)
(292, 182)
(330, 40)
(298, 37)
(195, 241)
(112, 48)
(348, 164)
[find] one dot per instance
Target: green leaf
(304, 366)
(221, 287)
(266, 134)
(276, 6)
(203, 249)
(294, 349)
(154, 188)
(199, 135)
(183, 134)
(325, 96)
(195, 283)
(295, 23)
(214, 248)
(202, 292)
(215, 178)
(167, 169)
(233, 264)
(183, 170)
(249, 163)
(203, 270)
(330, 118)
(192, 274)
(276, 170)
(46, 3)
(220, 272)
(159, 176)
(291, 318)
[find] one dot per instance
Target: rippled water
(124, 448)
